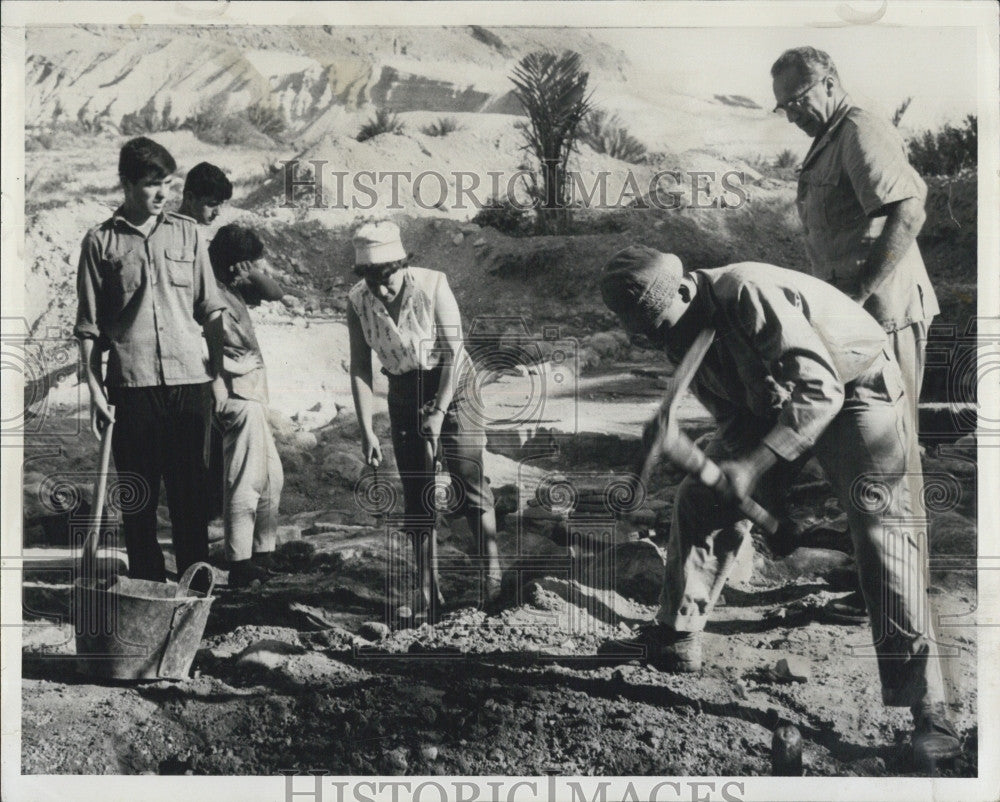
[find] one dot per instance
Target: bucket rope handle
(184, 585)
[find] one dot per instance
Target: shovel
(425, 554)
(92, 571)
(427, 560)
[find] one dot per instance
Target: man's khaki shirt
(145, 299)
(856, 168)
(786, 346)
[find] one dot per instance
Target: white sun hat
(378, 244)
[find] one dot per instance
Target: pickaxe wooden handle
(669, 440)
(666, 418)
(683, 453)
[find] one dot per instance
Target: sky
(878, 65)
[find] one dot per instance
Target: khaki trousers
(253, 479)
(866, 454)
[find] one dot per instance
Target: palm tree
(553, 91)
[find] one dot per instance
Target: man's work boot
(669, 650)
(934, 741)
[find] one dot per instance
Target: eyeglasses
(796, 102)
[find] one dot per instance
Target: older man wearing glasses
(861, 204)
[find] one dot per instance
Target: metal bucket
(136, 629)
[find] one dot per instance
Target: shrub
(443, 127)
(201, 122)
(606, 134)
(505, 216)
(897, 115)
(787, 158)
(256, 125)
(384, 122)
(947, 151)
(269, 120)
(488, 38)
(148, 120)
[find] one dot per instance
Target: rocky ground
(304, 672)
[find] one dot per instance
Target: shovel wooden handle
(92, 542)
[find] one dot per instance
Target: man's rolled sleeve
(798, 361)
(877, 167)
(207, 298)
(88, 288)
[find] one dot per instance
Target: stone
(816, 562)
(607, 344)
(281, 425)
(429, 752)
(319, 415)
(792, 669)
(267, 654)
(347, 467)
(292, 302)
(304, 441)
(966, 443)
(458, 239)
(287, 533)
(296, 555)
(374, 631)
(742, 570)
(639, 570)
(396, 759)
(653, 736)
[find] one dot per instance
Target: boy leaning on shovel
(408, 316)
(795, 368)
(146, 294)
(253, 477)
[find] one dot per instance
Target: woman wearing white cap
(408, 316)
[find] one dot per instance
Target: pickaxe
(670, 441)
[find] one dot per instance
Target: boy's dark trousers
(160, 432)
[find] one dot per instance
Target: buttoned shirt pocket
(817, 191)
(180, 267)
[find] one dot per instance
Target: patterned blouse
(410, 344)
